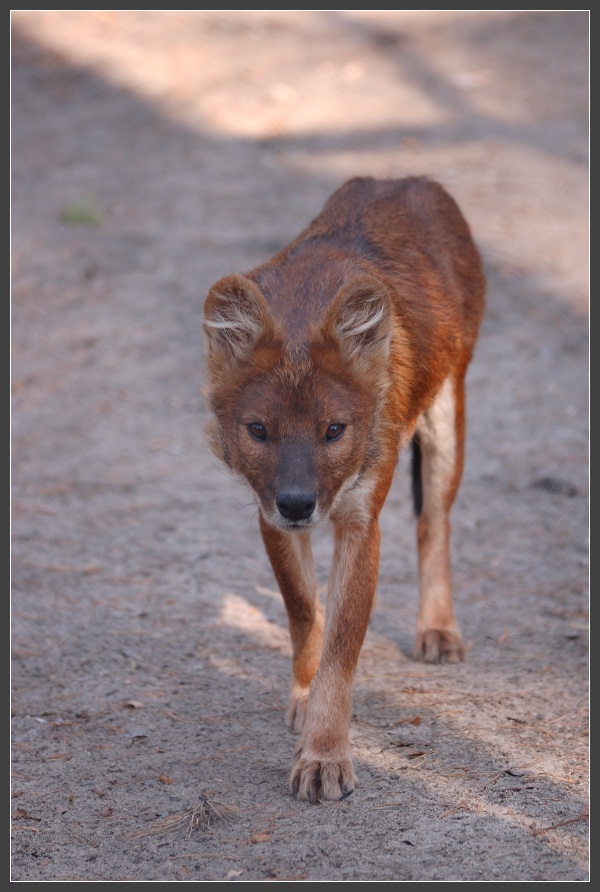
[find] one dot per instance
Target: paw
(316, 780)
(297, 708)
(439, 646)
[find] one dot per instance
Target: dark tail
(417, 482)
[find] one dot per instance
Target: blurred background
(494, 102)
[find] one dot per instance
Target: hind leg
(440, 432)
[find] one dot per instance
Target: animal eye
(257, 431)
(335, 431)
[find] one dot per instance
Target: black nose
(296, 505)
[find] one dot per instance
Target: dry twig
(582, 817)
(203, 814)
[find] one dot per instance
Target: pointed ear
(236, 315)
(360, 319)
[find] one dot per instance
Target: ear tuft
(361, 319)
(235, 316)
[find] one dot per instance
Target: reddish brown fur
(364, 324)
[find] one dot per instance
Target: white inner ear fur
(361, 319)
(234, 317)
(363, 323)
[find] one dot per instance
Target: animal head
(297, 415)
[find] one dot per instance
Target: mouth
(275, 519)
(298, 525)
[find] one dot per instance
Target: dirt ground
(152, 153)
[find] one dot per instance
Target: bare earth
(152, 153)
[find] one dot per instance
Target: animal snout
(296, 506)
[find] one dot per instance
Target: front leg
(291, 559)
(323, 764)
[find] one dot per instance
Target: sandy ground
(152, 153)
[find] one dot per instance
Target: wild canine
(323, 363)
